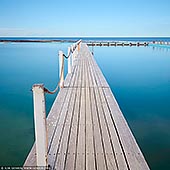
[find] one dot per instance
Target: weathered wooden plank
(77, 72)
(71, 154)
(107, 147)
(74, 75)
(90, 70)
(92, 80)
(92, 75)
(80, 74)
(75, 84)
(100, 76)
(54, 115)
(99, 150)
(69, 77)
(60, 161)
(89, 75)
(117, 150)
(80, 154)
(95, 72)
(131, 150)
(83, 76)
(53, 150)
(90, 155)
(95, 75)
(86, 75)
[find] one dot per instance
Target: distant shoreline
(41, 41)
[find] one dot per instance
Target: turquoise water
(140, 80)
(138, 76)
(22, 65)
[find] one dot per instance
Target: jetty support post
(69, 61)
(61, 69)
(41, 139)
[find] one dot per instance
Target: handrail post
(76, 50)
(61, 69)
(40, 125)
(69, 61)
(72, 56)
(79, 45)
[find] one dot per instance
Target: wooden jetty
(86, 129)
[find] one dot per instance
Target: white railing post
(72, 56)
(40, 125)
(76, 50)
(79, 45)
(69, 61)
(61, 69)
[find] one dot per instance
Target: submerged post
(69, 61)
(61, 69)
(40, 125)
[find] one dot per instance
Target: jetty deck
(86, 128)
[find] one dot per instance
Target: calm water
(138, 76)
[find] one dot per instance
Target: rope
(57, 87)
(66, 56)
(70, 51)
(62, 70)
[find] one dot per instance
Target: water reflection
(159, 48)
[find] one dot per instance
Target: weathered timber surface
(86, 128)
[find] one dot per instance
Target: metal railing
(41, 137)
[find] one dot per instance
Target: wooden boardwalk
(86, 129)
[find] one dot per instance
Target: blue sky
(84, 18)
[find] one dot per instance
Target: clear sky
(85, 18)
